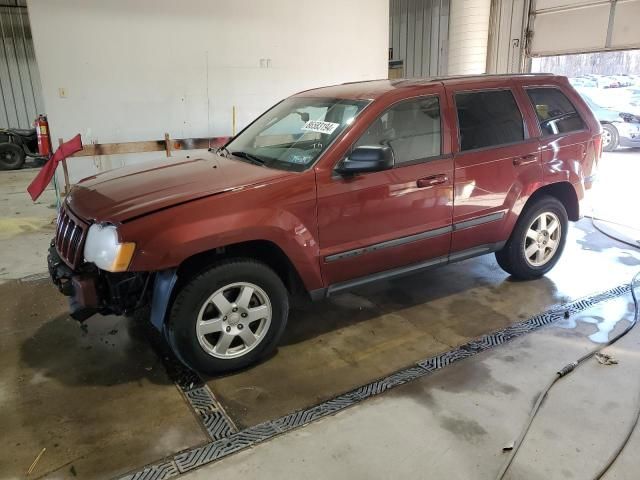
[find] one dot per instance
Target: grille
(70, 235)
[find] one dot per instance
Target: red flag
(45, 174)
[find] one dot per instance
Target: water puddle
(604, 317)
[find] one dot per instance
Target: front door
(374, 222)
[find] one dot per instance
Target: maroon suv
(330, 189)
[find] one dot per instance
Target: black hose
(565, 371)
(595, 219)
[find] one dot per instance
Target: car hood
(125, 193)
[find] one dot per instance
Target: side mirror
(363, 159)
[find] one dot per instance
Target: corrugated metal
(418, 33)
(19, 78)
(507, 36)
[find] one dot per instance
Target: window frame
(511, 89)
(541, 135)
(418, 161)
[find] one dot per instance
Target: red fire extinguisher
(44, 139)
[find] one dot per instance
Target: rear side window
(555, 111)
(411, 128)
(488, 119)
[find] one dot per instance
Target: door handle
(432, 180)
(525, 159)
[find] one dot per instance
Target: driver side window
(411, 128)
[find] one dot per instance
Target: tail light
(597, 148)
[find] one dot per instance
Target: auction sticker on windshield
(320, 126)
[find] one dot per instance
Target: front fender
(283, 214)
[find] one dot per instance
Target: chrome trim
(474, 222)
(415, 238)
(388, 244)
(407, 269)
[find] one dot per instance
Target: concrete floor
(98, 399)
(374, 331)
(454, 423)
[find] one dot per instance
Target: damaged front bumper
(92, 291)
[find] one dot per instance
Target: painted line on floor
(239, 440)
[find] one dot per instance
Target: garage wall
(580, 26)
(124, 71)
(507, 27)
(418, 35)
(468, 37)
(19, 78)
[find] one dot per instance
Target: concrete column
(468, 36)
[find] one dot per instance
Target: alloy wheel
(234, 320)
(542, 239)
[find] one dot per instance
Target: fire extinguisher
(44, 139)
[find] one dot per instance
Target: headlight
(103, 249)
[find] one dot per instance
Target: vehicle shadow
(472, 295)
(104, 351)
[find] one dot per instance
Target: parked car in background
(329, 190)
(620, 128)
(583, 82)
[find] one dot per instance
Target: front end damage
(90, 289)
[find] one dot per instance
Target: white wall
(133, 70)
(468, 36)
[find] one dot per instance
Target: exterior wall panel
(19, 78)
(418, 35)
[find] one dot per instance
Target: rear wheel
(537, 241)
(228, 317)
(610, 137)
(11, 156)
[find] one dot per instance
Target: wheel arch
(264, 251)
(563, 192)
(169, 282)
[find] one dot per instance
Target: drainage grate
(161, 471)
(234, 442)
(212, 417)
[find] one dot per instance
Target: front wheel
(228, 317)
(537, 241)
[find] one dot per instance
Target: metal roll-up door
(578, 26)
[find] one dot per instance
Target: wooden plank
(96, 149)
(65, 170)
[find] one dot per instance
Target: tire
(513, 258)
(212, 295)
(610, 137)
(11, 156)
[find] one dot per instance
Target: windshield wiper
(248, 156)
(223, 151)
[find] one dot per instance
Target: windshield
(293, 134)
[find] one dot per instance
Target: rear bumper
(92, 291)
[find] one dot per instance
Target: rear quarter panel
(569, 157)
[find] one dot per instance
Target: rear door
(496, 161)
